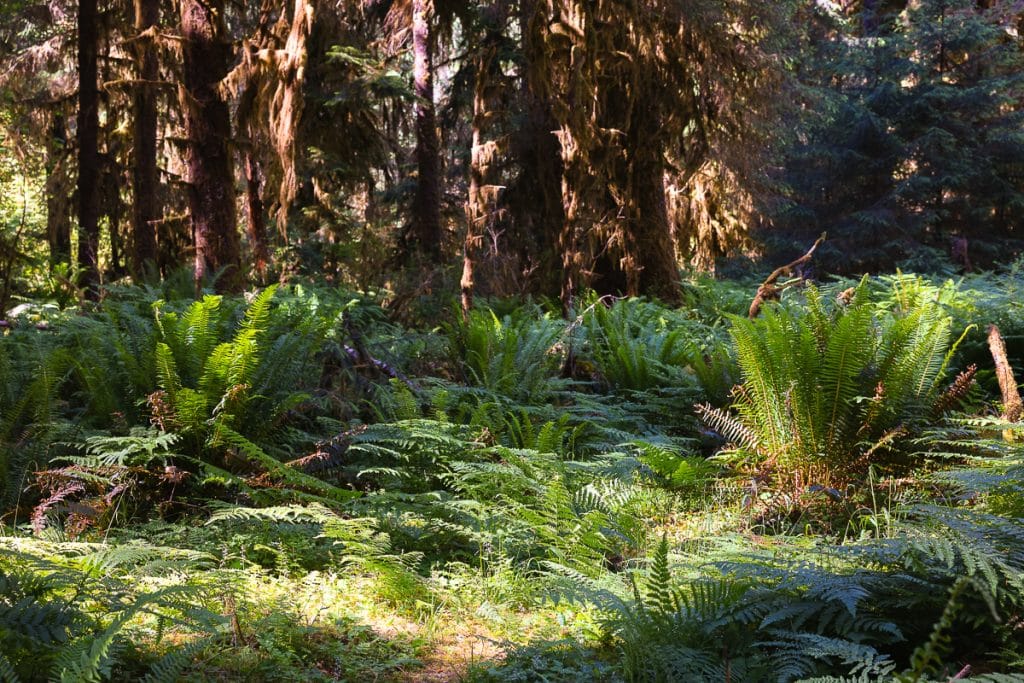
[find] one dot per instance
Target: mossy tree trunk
(211, 194)
(88, 145)
(146, 209)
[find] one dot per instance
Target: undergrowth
(290, 486)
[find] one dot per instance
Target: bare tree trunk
(570, 240)
(112, 178)
(116, 243)
(1012, 405)
(426, 208)
(88, 145)
(651, 229)
(58, 225)
(211, 192)
(145, 178)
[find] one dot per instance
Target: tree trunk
(211, 193)
(145, 178)
(651, 229)
(58, 225)
(255, 216)
(1012, 405)
(426, 208)
(540, 208)
(113, 214)
(482, 201)
(88, 145)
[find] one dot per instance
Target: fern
(822, 385)
(636, 345)
(170, 667)
(74, 608)
(225, 436)
(7, 672)
(518, 356)
(92, 659)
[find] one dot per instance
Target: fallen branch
(770, 291)
(361, 356)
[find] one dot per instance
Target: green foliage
(207, 381)
(294, 449)
(518, 356)
(70, 613)
(562, 660)
(829, 390)
(684, 472)
(636, 345)
(801, 613)
(917, 139)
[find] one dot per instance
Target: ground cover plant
(263, 490)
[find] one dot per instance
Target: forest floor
(244, 490)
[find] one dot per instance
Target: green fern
(68, 608)
(7, 672)
(518, 356)
(636, 345)
(824, 387)
(224, 436)
(171, 667)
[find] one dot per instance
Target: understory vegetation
(290, 485)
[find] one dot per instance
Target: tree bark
(426, 209)
(651, 230)
(58, 225)
(88, 146)
(211, 192)
(146, 208)
(482, 209)
(255, 214)
(540, 207)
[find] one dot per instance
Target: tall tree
(919, 138)
(58, 224)
(963, 118)
(482, 202)
(146, 210)
(211, 195)
(535, 197)
(271, 83)
(88, 144)
(650, 228)
(425, 222)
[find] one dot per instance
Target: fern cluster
(299, 433)
(867, 609)
(66, 615)
(831, 388)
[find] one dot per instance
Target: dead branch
(769, 290)
(361, 356)
(1012, 405)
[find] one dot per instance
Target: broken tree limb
(769, 290)
(1012, 405)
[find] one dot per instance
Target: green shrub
(518, 355)
(829, 388)
(636, 345)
